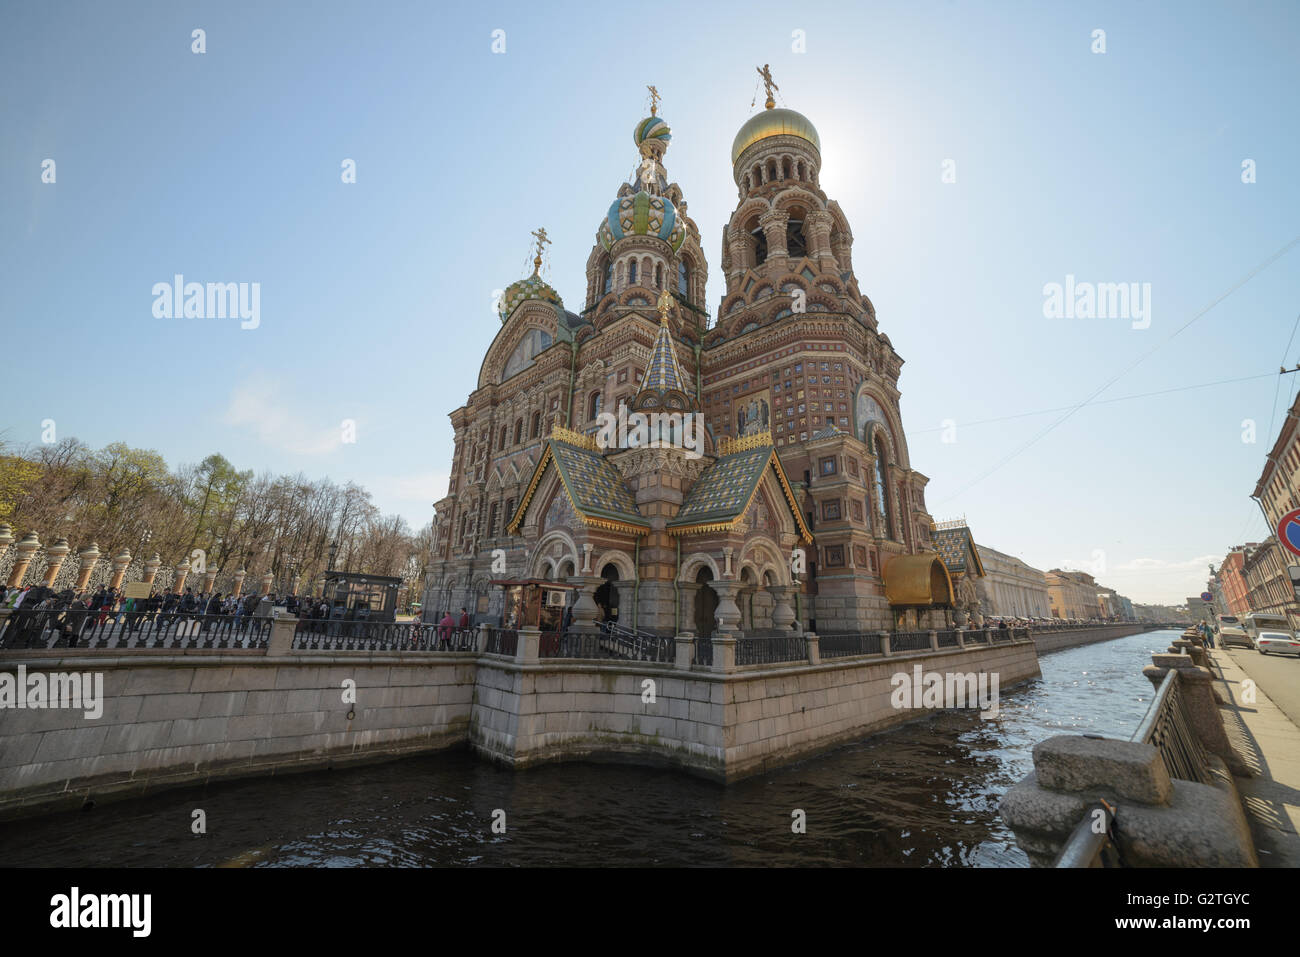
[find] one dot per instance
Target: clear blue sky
(376, 297)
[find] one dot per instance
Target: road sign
(1288, 531)
(1206, 596)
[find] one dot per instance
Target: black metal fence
(703, 652)
(843, 646)
(503, 641)
(92, 628)
(947, 639)
(606, 645)
(1166, 726)
(901, 641)
(771, 650)
(330, 635)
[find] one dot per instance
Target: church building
(798, 504)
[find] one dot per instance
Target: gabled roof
(726, 488)
(595, 489)
(957, 549)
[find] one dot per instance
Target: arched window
(881, 453)
(609, 278)
(785, 168)
(593, 405)
(502, 443)
(537, 425)
(519, 431)
(631, 273)
(659, 276)
(683, 278)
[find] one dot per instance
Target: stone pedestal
(283, 629)
(586, 613)
(684, 651)
(814, 649)
(728, 612)
(724, 653)
(529, 642)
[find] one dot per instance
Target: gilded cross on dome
(766, 74)
(665, 304)
(654, 100)
(542, 241)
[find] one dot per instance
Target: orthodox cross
(542, 241)
(766, 74)
(665, 304)
(654, 100)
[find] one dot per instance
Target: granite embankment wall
(1059, 640)
(178, 717)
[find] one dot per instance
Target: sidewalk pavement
(1270, 745)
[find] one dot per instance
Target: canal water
(921, 795)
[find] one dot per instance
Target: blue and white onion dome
(520, 292)
(642, 214)
(652, 131)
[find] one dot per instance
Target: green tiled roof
(724, 489)
(595, 487)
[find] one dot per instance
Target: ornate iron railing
(770, 650)
(605, 645)
(1166, 726)
(334, 635)
(843, 646)
(92, 628)
(903, 641)
(503, 641)
(702, 653)
(947, 639)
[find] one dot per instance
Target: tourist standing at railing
(445, 628)
(464, 619)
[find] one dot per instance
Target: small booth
(368, 597)
(534, 603)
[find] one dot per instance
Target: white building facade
(1011, 588)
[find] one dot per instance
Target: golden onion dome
(773, 122)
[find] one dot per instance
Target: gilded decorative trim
(730, 446)
(574, 438)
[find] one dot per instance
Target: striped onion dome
(651, 128)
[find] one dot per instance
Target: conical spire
(663, 375)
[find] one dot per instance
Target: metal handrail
(1165, 726)
(1087, 846)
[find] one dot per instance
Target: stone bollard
(684, 651)
(1196, 687)
(884, 644)
(283, 628)
(1160, 821)
(530, 639)
(484, 635)
(961, 637)
(814, 649)
(934, 640)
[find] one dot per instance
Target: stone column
(782, 613)
(774, 223)
(586, 613)
(6, 538)
(884, 644)
(56, 554)
(120, 563)
(151, 569)
(239, 581)
(1195, 687)
(297, 580)
(740, 244)
(182, 572)
(26, 550)
(267, 581)
(728, 614)
(817, 232)
(814, 649)
(210, 579)
(89, 557)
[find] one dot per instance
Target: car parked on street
(1277, 643)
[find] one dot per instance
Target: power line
(1122, 398)
(1132, 365)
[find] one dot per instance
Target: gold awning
(918, 581)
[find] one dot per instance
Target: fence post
(484, 631)
(283, 628)
(684, 651)
(529, 641)
(961, 637)
(934, 640)
(884, 643)
(814, 649)
(724, 652)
